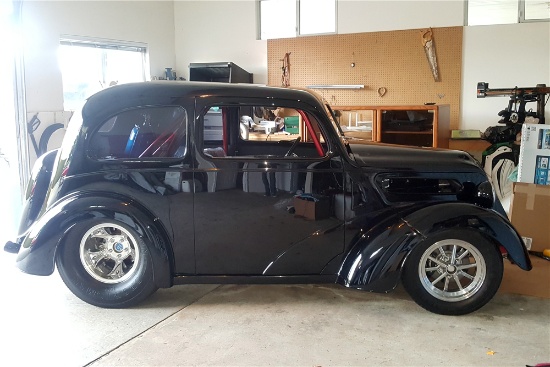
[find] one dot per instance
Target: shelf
(426, 132)
(337, 86)
(434, 117)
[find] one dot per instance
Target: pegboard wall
(392, 60)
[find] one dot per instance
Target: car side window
(260, 131)
(145, 132)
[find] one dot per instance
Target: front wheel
(454, 272)
(107, 264)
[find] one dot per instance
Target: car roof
(112, 100)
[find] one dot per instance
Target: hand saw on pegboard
(285, 77)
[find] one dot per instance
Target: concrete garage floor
(43, 324)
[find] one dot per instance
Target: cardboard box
(534, 157)
(530, 214)
(312, 210)
(465, 134)
(292, 124)
(529, 283)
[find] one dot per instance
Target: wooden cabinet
(418, 125)
(358, 123)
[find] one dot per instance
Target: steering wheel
(293, 146)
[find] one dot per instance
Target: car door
(143, 153)
(251, 163)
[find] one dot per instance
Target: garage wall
(212, 31)
(150, 22)
(182, 32)
(393, 60)
(216, 31)
(357, 16)
(504, 56)
(43, 22)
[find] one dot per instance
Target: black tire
(106, 263)
(453, 283)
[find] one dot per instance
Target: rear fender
(374, 263)
(36, 190)
(38, 250)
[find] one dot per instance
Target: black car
(164, 183)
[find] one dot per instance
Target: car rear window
(145, 132)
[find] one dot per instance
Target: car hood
(389, 156)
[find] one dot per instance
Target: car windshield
(337, 127)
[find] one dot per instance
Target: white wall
(504, 56)
(150, 22)
(218, 31)
(356, 16)
(212, 31)
(182, 32)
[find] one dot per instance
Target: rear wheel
(454, 272)
(106, 264)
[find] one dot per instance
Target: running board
(254, 279)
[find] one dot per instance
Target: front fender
(374, 260)
(491, 224)
(37, 253)
(374, 263)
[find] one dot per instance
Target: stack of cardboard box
(530, 212)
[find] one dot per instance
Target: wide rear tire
(106, 263)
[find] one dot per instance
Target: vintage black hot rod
(163, 183)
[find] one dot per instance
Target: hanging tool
(429, 49)
(285, 78)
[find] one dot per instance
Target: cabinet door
(357, 123)
(408, 126)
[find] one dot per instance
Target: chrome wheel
(109, 253)
(452, 270)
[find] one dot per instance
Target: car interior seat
(221, 174)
